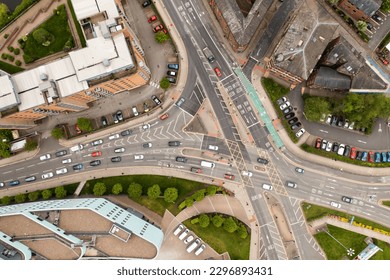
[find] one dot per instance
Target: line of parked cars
(352, 152)
(183, 233)
(172, 72)
(289, 115)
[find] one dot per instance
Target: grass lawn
(77, 24)
(386, 203)
(58, 26)
(9, 68)
(222, 241)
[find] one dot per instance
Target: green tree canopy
(189, 201)
(117, 188)
(315, 107)
(204, 220)
(333, 2)
(60, 192)
(211, 190)
(170, 195)
(385, 6)
(361, 25)
(5, 149)
(154, 191)
(164, 83)
(57, 133)
(5, 200)
(46, 194)
(134, 191)
(230, 225)
(85, 124)
(20, 198)
(199, 195)
(31, 145)
(161, 37)
(242, 232)
(6, 134)
(217, 220)
(99, 189)
(43, 37)
(33, 196)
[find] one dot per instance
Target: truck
(77, 148)
(207, 164)
(208, 54)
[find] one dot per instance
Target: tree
(170, 195)
(154, 191)
(217, 220)
(60, 192)
(315, 107)
(33, 196)
(361, 25)
(161, 37)
(230, 225)
(5, 149)
(189, 201)
(164, 83)
(199, 195)
(242, 232)
(333, 2)
(134, 191)
(46, 194)
(20, 198)
(99, 189)
(385, 6)
(211, 190)
(6, 134)
(5, 200)
(43, 37)
(204, 220)
(57, 133)
(85, 124)
(30, 145)
(117, 188)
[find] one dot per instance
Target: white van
(184, 234)
(200, 250)
(178, 229)
(207, 164)
(76, 148)
(267, 187)
(193, 245)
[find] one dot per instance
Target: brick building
(359, 9)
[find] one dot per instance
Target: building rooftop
(369, 7)
(8, 97)
(329, 78)
(88, 8)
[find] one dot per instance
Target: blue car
(14, 183)
(364, 156)
(384, 157)
(377, 157)
(388, 156)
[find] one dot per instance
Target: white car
(145, 127)
(45, 157)
(351, 125)
(62, 171)
(188, 239)
(328, 119)
(329, 146)
(97, 142)
(335, 204)
(47, 175)
(68, 160)
(119, 150)
(112, 137)
(247, 173)
(138, 157)
(341, 149)
(284, 105)
(213, 147)
(200, 250)
(300, 132)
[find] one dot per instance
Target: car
(97, 142)
(281, 100)
(152, 18)
(284, 105)
(174, 143)
(335, 204)
(96, 154)
(119, 115)
(247, 173)
(138, 157)
(217, 71)
(371, 156)
(329, 146)
(135, 111)
(200, 250)
(229, 176)
(318, 143)
(119, 150)
(2, 184)
(362, 129)
(295, 126)
(65, 161)
(116, 159)
(164, 116)
(146, 3)
(335, 147)
(145, 127)
(300, 132)
(376, 18)
(346, 199)
(126, 132)
(184, 234)
(267, 187)
(95, 163)
(158, 28)
(156, 100)
(341, 150)
(172, 80)
(388, 156)
(299, 170)
(104, 121)
(188, 239)
(178, 229)
(147, 145)
(181, 159)
(347, 151)
(213, 147)
(287, 110)
(114, 116)
(45, 157)
(359, 155)
(324, 144)
(346, 123)
(29, 179)
(328, 119)
(173, 66)
(79, 166)
(47, 175)
(351, 125)
(61, 153)
(353, 153)
(384, 156)
(114, 136)
(180, 102)
(172, 73)
(364, 156)
(289, 116)
(340, 122)
(62, 171)
(377, 157)
(369, 26)
(291, 184)
(146, 107)
(196, 170)
(14, 183)
(334, 120)
(293, 120)
(78, 130)
(262, 160)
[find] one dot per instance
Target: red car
(218, 71)
(152, 18)
(318, 143)
(96, 154)
(353, 153)
(163, 117)
(158, 27)
(78, 130)
(371, 156)
(165, 31)
(229, 176)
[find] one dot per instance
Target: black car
(119, 115)
(346, 199)
(359, 155)
(104, 121)
(114, 116)
(146, 3)
(14, 183)
(95, 162)
(181, 159)
(61, 153)
(296, 125)
(116, 159)
(126, 132)
(289, 115)
(156, 100)
(293, 120)
(340, 122)
(335, 147)
(78, 166)
(262, 160)
(172, 80)
(347, 151)
(333, 121)
(174, 143)
(287, 110)
(147, 145)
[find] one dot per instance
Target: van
(208, 54)
(207, 164)
(267, 187)
(200, 250)
(184, 234)
(193, 245)
(76, 148)
(178, 229)
(135, 112)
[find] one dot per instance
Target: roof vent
(106, 62)
(279, 57)
(43, 76)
